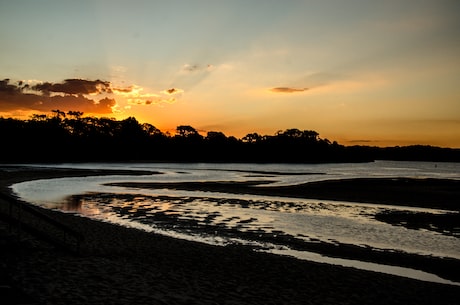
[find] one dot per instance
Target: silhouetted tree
(186, 131)
(216, 137)
(39, 117)
(58, 138)
(58, 113)
(151, 130)
(252, 138)
(76, 114)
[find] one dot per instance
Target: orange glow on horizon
(360, 136)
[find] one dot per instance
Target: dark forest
(70, 137)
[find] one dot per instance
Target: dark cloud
(75, 86)
(15, 97)
(287, 89)
(172, 91)
(80, 103)
(7, 88)
(105, 105)
(313, 81)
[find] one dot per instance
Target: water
(264, 221)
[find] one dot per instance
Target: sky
(380, 73)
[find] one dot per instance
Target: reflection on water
(269, 222)
(291, 222)
(72, 204)
(405, 272)
(259, 224)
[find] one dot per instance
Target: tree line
(71, 137)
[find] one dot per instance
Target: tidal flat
(156, 269)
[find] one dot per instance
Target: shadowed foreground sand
(117, 265)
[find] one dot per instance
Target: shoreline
(154, 269)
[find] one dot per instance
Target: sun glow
(323, 66)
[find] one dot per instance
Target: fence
(23, 217)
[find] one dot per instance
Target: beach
(118, 265)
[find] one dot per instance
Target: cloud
(312, 81)
(190, 75)
(172, 91)
(81, 103)
(48, 103)
(23, 97)
(287, 89)
(7, 88)
(123, 90)
(136, 97)
(75, 86)
(139, 101)
(190, 68)
(88, 96)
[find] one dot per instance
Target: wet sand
(426, 193)
(117, 265)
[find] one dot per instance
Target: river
(222, 218)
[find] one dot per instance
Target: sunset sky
(359, 72)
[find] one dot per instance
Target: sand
(117, 265)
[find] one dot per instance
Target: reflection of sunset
(72, 204)
(82, 206)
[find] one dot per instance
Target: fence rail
(23, 217)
